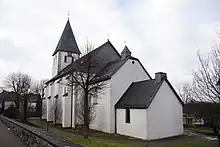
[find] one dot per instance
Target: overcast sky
(163, 34)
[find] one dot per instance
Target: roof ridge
(144, 81)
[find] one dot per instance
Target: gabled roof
(11, 96)
(7, 96)
(125, 52)
(112, 67)
(139, 95)
(67, 42)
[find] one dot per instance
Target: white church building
(134, 104)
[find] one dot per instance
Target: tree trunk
(47, 126)
(85, 117)
(25, 108)
(17, 102)
(3, 106)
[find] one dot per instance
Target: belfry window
(65, 59)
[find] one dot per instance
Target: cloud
(164, 35)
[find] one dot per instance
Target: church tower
(67, 50)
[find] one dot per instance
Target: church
(134, 104)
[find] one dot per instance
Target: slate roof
(107, 60)
(7, 96)
(125, 52)
(10, 96)
(112, 67)
(67, 41)
(102, 56)
(139, 95)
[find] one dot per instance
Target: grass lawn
(91, 143)
(100, 139)
(183, 141)
(202, 130)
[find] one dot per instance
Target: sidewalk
(8, 138)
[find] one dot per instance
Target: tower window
(127, 116)
(65, 59)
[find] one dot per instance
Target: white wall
(44, 109)
(102, 119)
(120, 82)
(137, 126)
(58, 61)
(164, 115)
(49, 102)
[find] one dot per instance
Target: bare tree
(44, 113)
(80, 109)
(83, 75)
(20, 83)
(38, 87)
(56, 111)
(44, 109)
(205, 89)
(185, 93)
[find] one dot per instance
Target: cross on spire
(108, 36)
(68, 15)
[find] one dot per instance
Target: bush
(11, 112)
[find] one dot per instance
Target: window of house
(65, 90)
(127, 116)
(65, 59)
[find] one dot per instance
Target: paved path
(8, 138)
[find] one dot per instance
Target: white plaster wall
(57, 86)
(120, 82)
(59, 111)
(138, 123)
(55, 64)
(102, 119)
(66, 111)
(69, 59)
(44, 109)
(65, 106)
(58, 61)
(164, 115)
(52, 89)
(49, 104)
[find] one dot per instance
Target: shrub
(11, 112)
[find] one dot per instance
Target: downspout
(71, 120)
(115, 120)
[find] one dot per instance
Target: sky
(164, 35)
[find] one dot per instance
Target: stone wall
(35, 137)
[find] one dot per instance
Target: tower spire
(67, 42)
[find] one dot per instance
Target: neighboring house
(134, 104)
(193, 113)
(192, 119)
(7, 99)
